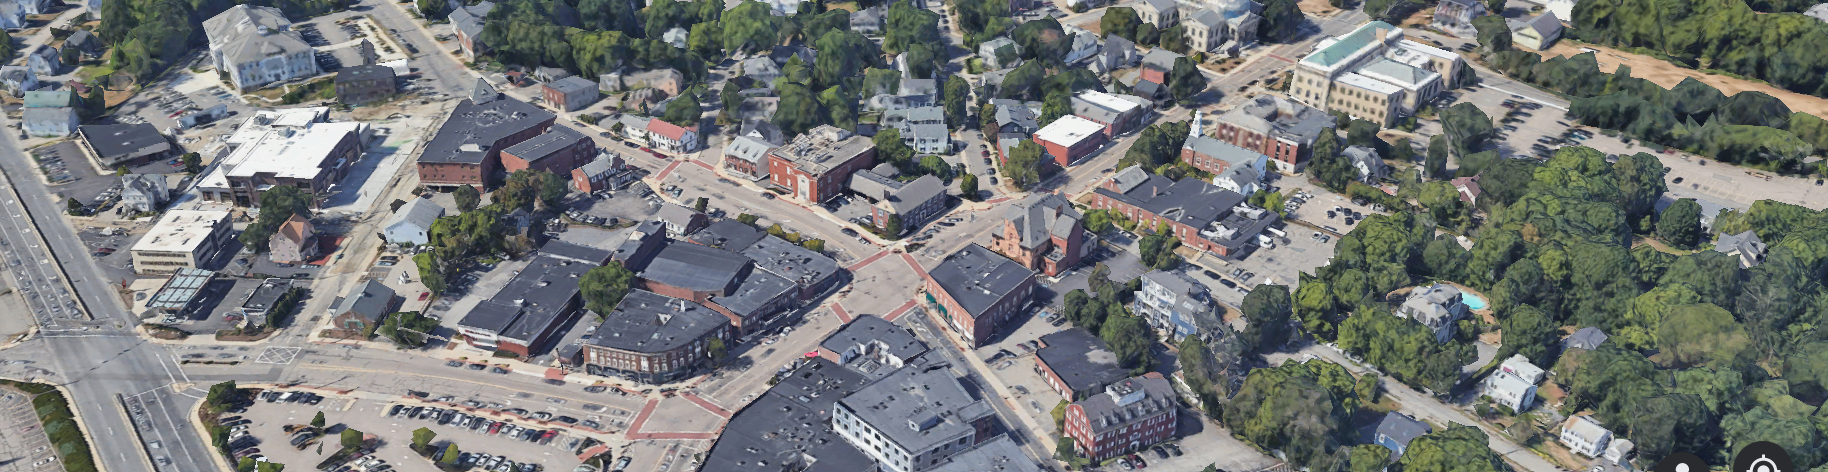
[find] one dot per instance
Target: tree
(967, 187)
(890, 149)
(1466, 128)
(451, 453)
(1326, 164)
(95, 103)
(705, 41)
(1055, 106)
(422, 437)
(1267, 310)
(276, 206)
(1185, 81)
(1641, 184)
(684, 110)
(352, 439)
(893, 227)
(840, 106)
(193, 163)
(1680, 224)
(716, 352)
(1701, 334)
(814, 245)
(1459, 448)
(1282, 20)
(1130, 339)
(957, 90)
(701, 204)
(1121, 21)
(1147, 33)
(934, 166)
(731, 99)
(318, 421)
(1022, 168)
(798, 110)
(431, 273)
(906, 27)
(467, 198)
(749, 27)
(604, 287)
(1494, 35)
(1174, 39)
(221, 396)
(117, 20)
(1287, 408)
(1157, 248)
(1529, 332)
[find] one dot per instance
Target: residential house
(1396, 430)
(1536, 34)
(923, 128)
(294, 242)
(1015, 118)
(1177, 305)
(1163, 14)
(1202, 215)
(364, 308)
(782, 54)
(990, 81)
(675, 37)
(1081, 44)
(83, 42)
(550, 74)
(974, 291)
(868, 21)
(571, 93)
(1564, 9)
(817, 165)
(681, 221)
(35, 7)
(1043, 233)
(144, 192)
(1468, 188)
(1455, 17)
(606, 172)
(18, 79)
(45, 60)
(1588, 338)
(1117, 53)
(1370, 167)
(912, 93)
(1242, 179)
(1746, 246)
(1374, 73)
(763, 131)
(665, 80)
(914, 202)
(1077, 364)
(364, 84)
(468, 22)
(748, 157)
(1000, 53)
(1585, 436)
(1510, 390)
(412, 223)
(12, 16)
(758, 108)
(1129, 416)
(50, 122)
(672, 138)
(1522, 368)
(1436, 307)
(51, 99)
(762, 69)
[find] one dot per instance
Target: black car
(768, 195)
(1227, 283)
(848, 232)
(1212, 274)
(1679, 180)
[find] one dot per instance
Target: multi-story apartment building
(1216, 157)
(467, 148)
(559, 150)
(913, 419)
(1202, 215)
(1177, 305)
(915, 202)
(1131, 415)
(256, 46)
(1118, 113)
(311, 158)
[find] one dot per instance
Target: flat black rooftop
(115, 140)
(266, 294)
(1081, 359)
(728, 234)
(648, 322)
(788, 429)
(370, 72)
(790, 260)
(466, 136)
(695, 267)
(546, 144)
(532, 300)
(870, 334)
(977, 278)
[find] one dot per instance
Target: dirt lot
(1668, 75)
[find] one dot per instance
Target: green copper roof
(1346, 45)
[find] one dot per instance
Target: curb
(87, 432)
(203, 431)
(12, 189)
(134, 429)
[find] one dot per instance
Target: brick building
(467, 148)
(817, 165)
(1118, 113)
(974, 291)
(1043, 233)
(915, 202)
(570, 93)
(1077, 364)
(598, 174)
(1202, 215)
(1280, 128)
(1070, 138)
(652, 338)
(559, 150)
(1129, 416)
(537, 303)
(1217, 157)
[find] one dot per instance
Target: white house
(412, 223)
(1585, 435)
(50, 121)
(1510, 390)
(1243, 180)
(1522, 368)
(18, 79)
(1365, 160)
(256, 46)
(12, 16)
(1436, 307)
(45, 60)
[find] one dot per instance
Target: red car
(1140, 464)
(495, 427)
(424, 295)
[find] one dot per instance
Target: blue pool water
(1472, 301)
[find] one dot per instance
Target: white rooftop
(286, 153)
(1069, 129)
(1367, 83)
(267, 120)
(1107, 101)
(180, 231)
(1420, 48)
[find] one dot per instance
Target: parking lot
(23, 448)
(266, 422)
(625, 205)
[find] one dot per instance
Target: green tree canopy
(604, 287)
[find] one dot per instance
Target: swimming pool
(1472, 301)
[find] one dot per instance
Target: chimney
(1155, 191)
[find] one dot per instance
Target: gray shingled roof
(420, 212)
(976, 277)
(371, 300)
(1040, 217)
(648, 322)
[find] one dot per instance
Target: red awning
(555, 374)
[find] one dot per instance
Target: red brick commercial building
(539, 302)
(1215, 156)
(817, 165)
(599, 174)
(974, 291)
(558, 150)
(652, 338)
(1077, 364)
(1277, 127)
(1129, 416)
(1202, 215)
(1070, 138)
(1043, 233)
(467, 149)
